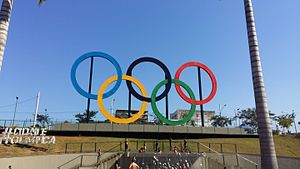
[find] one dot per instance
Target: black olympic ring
(162, 66)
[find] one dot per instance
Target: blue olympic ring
(100, 55)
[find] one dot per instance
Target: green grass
(285, 145)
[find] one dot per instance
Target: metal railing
(80, 160)
(15, 123)
(151, 145)
(88, 147)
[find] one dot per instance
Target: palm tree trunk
(4, 23)
(267, 148)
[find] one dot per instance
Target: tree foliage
(220, 121)
(43, 120)
(156, 120)
(285, 121)
(193, 122)
(82, 117)
(249, 119)
(41, 2)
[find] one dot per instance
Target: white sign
(26, 136)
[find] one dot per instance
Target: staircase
(105, 163)
(87, 161)
(207, 159)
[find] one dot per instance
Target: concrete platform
(146, 131)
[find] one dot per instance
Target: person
(175, 150)
(133, 164)
(99, 155)
(126, 145)
(126, 148)
(159, 151)
(118, 165)
(9, 167)
(145, 147)
(185, 149)
(156, 146)
(183, 166)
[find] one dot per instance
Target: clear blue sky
(44, 42)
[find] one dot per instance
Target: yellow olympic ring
(107, 114)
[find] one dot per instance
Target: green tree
(285, 121)
(220, 121)
(156, 120)
(192, 122)
(43, 120)
(249, 119)
(5, 13)
(82, 117)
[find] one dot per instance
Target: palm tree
(4, 23)
(267, 149)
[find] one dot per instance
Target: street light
(295, 122)
(45, 117)
(220, 109)
(236, 118)
(13, 122)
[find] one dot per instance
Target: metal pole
(236, 111)
(66, 148)
(112, 107)
(90, 90)
(167, 103)
(220, 109)
(236, 154)
(13, 122)
(129, 104)
(295, 123)
(36, 108)
(170, 142)
(200, 95)
(222, 154)
(81, 160)
(45, 117)
(235, 116)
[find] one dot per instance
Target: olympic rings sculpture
(143, 96)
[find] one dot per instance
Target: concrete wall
(48, 161)
(283, 162)
(232, 160)
(144, 128)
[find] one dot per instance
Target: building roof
(197, 111)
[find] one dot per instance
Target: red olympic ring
(212, 78)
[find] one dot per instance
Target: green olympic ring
(160, 116)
